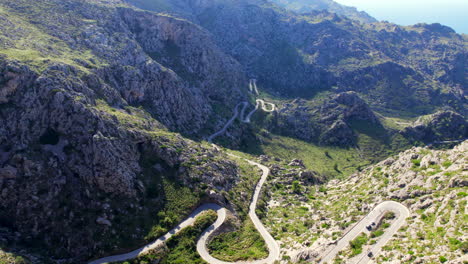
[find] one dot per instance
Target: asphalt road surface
(401, 212)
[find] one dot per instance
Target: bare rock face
(304, 6)
(307, 255)
(8, 172)
(77, 135)
(312, 177)
(63, 153)
(190, 52)
(11, 81)
(296, 163)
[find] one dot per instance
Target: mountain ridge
(304, 6)
(105, 108)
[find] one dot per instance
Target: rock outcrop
(65, 154)
(299, 54)
(93, 94)
(437, 128)
(328, 123)
(89, 118)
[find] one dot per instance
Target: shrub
(335, 167)
(376, 233)
(357, 243)
(416, 162)
(296, 187)
(447, 163)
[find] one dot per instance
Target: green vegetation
(179, 202)
(36, 46)
(10, 258)
(357, 244)
(382, 225)
(416, 163)
(243, 244)
(377, 142)
(442, 259)
(180, 248)
(322, 159)
(437, 230)
(130, 117)
(296, 187)
(447, 163)
(241, 194)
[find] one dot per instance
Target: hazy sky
(453, 13)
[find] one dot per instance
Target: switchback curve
(375, 215)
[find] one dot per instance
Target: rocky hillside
(417, 68)
(98, 100)
(307, 217)
(328, 122)
(125, 56)
(439, 127)
(305, 6)
(92, 94)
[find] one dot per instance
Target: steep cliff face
(175, 72)
(77, 160)
(91, 95)
(191, 53)
(299, 54)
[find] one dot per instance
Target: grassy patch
(181, 248)
(331, 161)
(179, 201)
(10, 258)
(244, 244)
(357, 244)
(241, 194)
(35, 45)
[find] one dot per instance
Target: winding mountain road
(253, 86)
(190, 220)
(241, 115)
(375, 215)
(273, 247)
(229, 123)
(259, 104)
